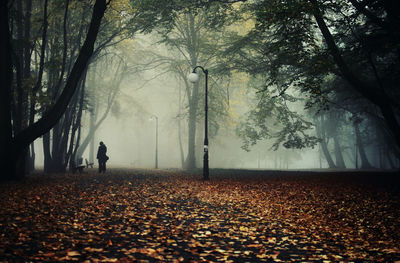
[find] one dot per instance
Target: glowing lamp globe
(193, 77)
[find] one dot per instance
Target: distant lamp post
(194, 77)
(156, 159)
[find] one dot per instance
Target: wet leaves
(132, 215)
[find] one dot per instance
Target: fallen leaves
(163, 216)
(73, 253)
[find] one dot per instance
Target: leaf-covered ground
(171, 216)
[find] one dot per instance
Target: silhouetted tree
(358, 47)
(13, 144)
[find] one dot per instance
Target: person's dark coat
(102, 157)
(101, 153)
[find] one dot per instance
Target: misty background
(129, 130)
(280, 97)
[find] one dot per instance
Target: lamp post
(156, 159)
(194, 77)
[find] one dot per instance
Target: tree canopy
(307, 63)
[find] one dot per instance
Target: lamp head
(193, 77)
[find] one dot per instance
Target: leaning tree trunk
(28, 135)
(320, 129)
(327, 154)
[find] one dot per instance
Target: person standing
(102, 157)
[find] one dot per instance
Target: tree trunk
(27, 47)
(91, 146)
(390, 160)
(360, 145)
(27, 74)
(193, 97)
(182, 154)
(55, 146)
(322, 134)
(338, 153)
(61, 134)
(28, 135)
(7, 159)
(18, 63)
(32, 158)
(46, 153)
(199, 148)
(91, 150)
(190, 162)
(77, 126)
(40, 71)
(327, 154)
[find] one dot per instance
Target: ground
(173, 216)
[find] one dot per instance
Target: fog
(131, 138)
(129, 130)
(130, 133)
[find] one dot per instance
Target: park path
(130, 215)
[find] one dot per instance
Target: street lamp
(194, 77)
(156, 160)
